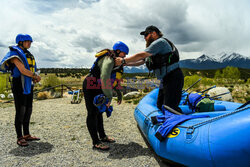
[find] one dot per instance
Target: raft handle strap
(147, 116)
(213, 119)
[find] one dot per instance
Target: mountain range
(205, 62)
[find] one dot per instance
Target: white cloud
(68, 33)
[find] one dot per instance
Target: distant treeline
(244, 73)
(83, 71)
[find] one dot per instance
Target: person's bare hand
(118, 61)
(108, 105)
(38, 78)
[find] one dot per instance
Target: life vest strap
(172, 67)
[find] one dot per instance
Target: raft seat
(217, 107)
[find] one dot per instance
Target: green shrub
(136, 101)
(50, 81)
(189, 80)
(218, 74)
(247, 98)
(4, 82)
(231, 72)
(208, 81)
(248, 81)
(146, 90)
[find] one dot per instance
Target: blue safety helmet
(23, 37)
(121, 46)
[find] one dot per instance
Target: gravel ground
(65, 140)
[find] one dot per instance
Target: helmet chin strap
(117, 52)
(21, 45)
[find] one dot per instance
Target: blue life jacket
(17, 52)
(193, 99)
(100, 102)
(170, 121)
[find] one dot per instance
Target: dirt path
(65, 140)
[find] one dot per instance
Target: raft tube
(220, 140)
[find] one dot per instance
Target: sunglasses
(146, 34)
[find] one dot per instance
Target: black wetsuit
(171, 90)
(94, 117)
(23, 105)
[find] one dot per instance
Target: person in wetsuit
(104, 77)
(23, 69)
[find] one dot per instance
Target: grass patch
(247, 99)
(73, 139)
(4, 82)
(136, 101)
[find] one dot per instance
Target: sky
(68, 33)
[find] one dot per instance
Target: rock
(10, 96)
(57, 95)
(2, 96)
(131, 95)
(127, 89)
(220, 90)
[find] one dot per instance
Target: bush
(248, 81)
(146, 90)
(247, 98)
(3, 82)
(136, 101)
(217, 74)
(189, 80)
(231, 72)
(50, 81)
(207, 81)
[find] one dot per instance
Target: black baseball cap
(150, 29)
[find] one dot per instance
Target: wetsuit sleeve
(106, 66)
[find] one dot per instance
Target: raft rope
(212, 119)
(192, 127)
(147, 116)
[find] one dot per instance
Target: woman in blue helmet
(104, 77)
(23, 69)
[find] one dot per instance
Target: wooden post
(62, 90)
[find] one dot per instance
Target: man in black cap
(162, 57)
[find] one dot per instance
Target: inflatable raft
(223, 139)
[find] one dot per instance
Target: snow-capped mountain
(133, 69)
(203, 58)
(205, 62)
(223, 57)
(217, 61)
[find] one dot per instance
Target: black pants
(23, 105)
(94, 117)
(171, 90)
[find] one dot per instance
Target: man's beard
(149, 41)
